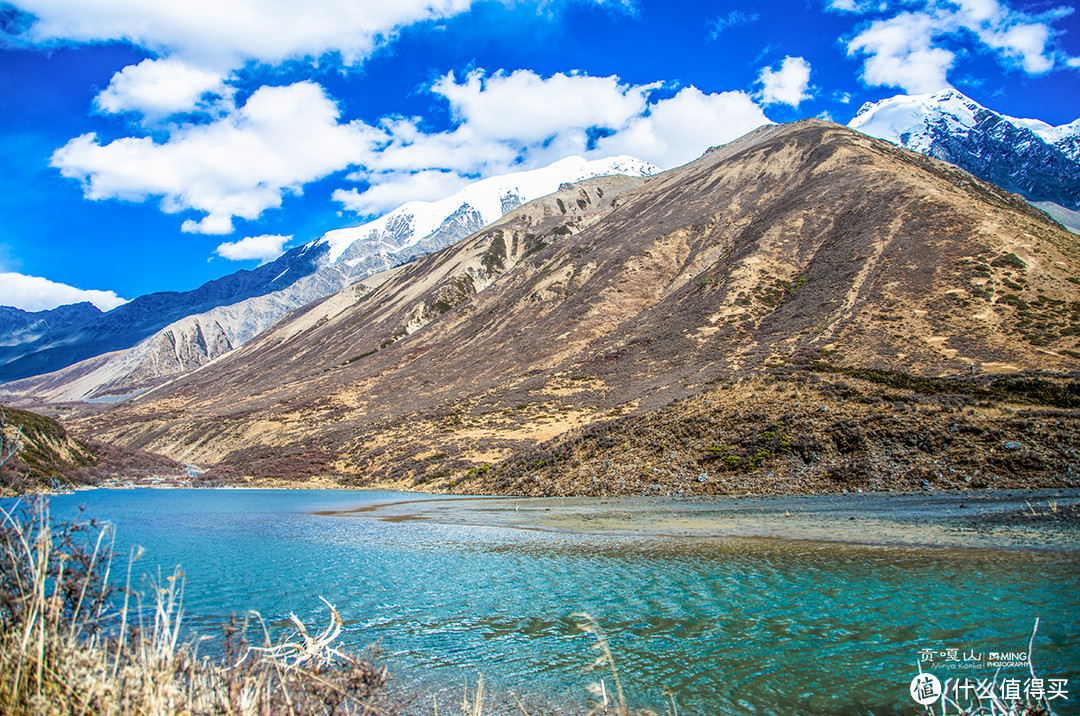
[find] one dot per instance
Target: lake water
(745, 625)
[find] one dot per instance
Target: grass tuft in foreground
(71, 643)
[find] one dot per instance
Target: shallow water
(729, 624)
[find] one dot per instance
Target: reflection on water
(741, 625)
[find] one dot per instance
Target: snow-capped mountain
(89, 354)
(432, 225)
(1026, 156)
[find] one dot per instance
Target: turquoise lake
(742, 625)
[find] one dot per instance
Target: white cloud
(247, 159)
(680, 129)
(264, 248)
(227, 33)
(522, 120)
(462, 150)
(393, 189)
(906, 50)
(204, 40)
(237, 166)
(901, 53)
(240, 161)
(244, 162)
(1020, 39)
(33, 293)
(528, 108)
(788, 85)
(847, 5)
(732, 19)
(1025, 44)
(160, 88)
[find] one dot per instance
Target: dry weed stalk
(476, 708)
(65, 649)
(607, 704)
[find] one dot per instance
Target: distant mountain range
(805, 308)
(32, 343)
(82, 353)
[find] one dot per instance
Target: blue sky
(157, 147)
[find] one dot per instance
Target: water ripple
(750, 626)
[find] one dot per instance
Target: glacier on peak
(907, 119)
(1026, 156)
(887, 115)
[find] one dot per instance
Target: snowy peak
(892, 118)
(1065, 137)
(1027, 156)
(912, 120)
(475, 206)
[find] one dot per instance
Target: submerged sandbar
(996, 519)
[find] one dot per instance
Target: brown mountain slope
(796, 242)
(38, 453)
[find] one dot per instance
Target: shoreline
(990, 518)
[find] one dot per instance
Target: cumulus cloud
(679, 129)
(901, 53)
(239, 161)
(907, 49)
(393, 189)
(1024, 44)
(161, 88)
(198, 42)
(246, 160)
(264, 248)
(528, 108)
(788, 85)
(228, 33)
(33, 293)
(238, 166)
(507, 122)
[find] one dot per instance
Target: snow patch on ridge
(413, 221)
